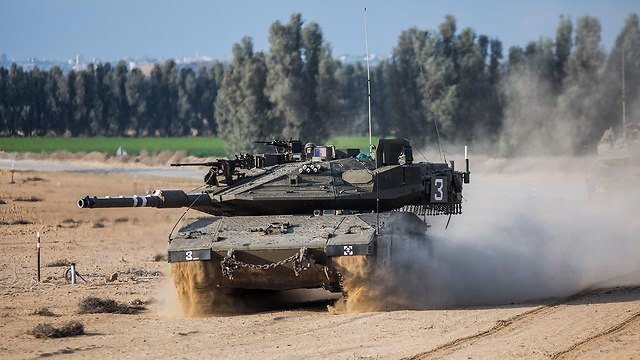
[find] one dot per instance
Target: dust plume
(528, 232)
(532, 123)
(194, 293)
(166, 303)
(196, 289)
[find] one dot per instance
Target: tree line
(455, 84)
(106, 100)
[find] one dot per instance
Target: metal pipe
(73, 273)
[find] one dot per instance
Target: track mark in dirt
(467, 340)
(568, 353)
(501, 326)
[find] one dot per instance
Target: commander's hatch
(393, 152)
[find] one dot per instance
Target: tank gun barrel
(159, 199)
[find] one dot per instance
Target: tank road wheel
(196, 286)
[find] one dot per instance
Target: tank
(617, 163)
(622, 150)
(283, 220)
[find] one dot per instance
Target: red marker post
(38, 252)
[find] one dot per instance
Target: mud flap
(350, 250)
(189, 255)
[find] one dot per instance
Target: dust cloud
(166, 303)
(194, 293)
(196, 290)
(529, 231)
(533, 123)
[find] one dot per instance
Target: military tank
(280, 220)
(617, 163)
(621, 150)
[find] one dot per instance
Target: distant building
(146, 64)
(79, 63)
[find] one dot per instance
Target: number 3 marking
(440, 185)
(188, 255)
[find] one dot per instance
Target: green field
(197, 146)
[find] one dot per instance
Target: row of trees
(560, 95)
(553, 91)
(106, 100)
(290, 92)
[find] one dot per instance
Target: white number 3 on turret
(438, 190)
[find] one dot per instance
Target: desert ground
(590, 309)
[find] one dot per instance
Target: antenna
(443, 156)
(366, 45)
(624, 110)
(377, 205)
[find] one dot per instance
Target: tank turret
(329, 179)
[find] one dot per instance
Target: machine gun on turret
(223, 171)
(291, 149)
(277, 143)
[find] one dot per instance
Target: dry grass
(44, 312)
(46, 331)
(33, 179)
(99, 224)
(17, 222)
(60, 263)
(70, 223)
(28, 199)
(160, 257)
(93, 305)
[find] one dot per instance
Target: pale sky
(112, 30)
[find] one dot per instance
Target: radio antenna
(366, 45)
(624, 110)
(443, 156)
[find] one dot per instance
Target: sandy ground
(599, 323)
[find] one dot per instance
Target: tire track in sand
(501, 326)
(570, 351)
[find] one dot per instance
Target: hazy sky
(111, 30)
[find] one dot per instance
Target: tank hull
(287, 252)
